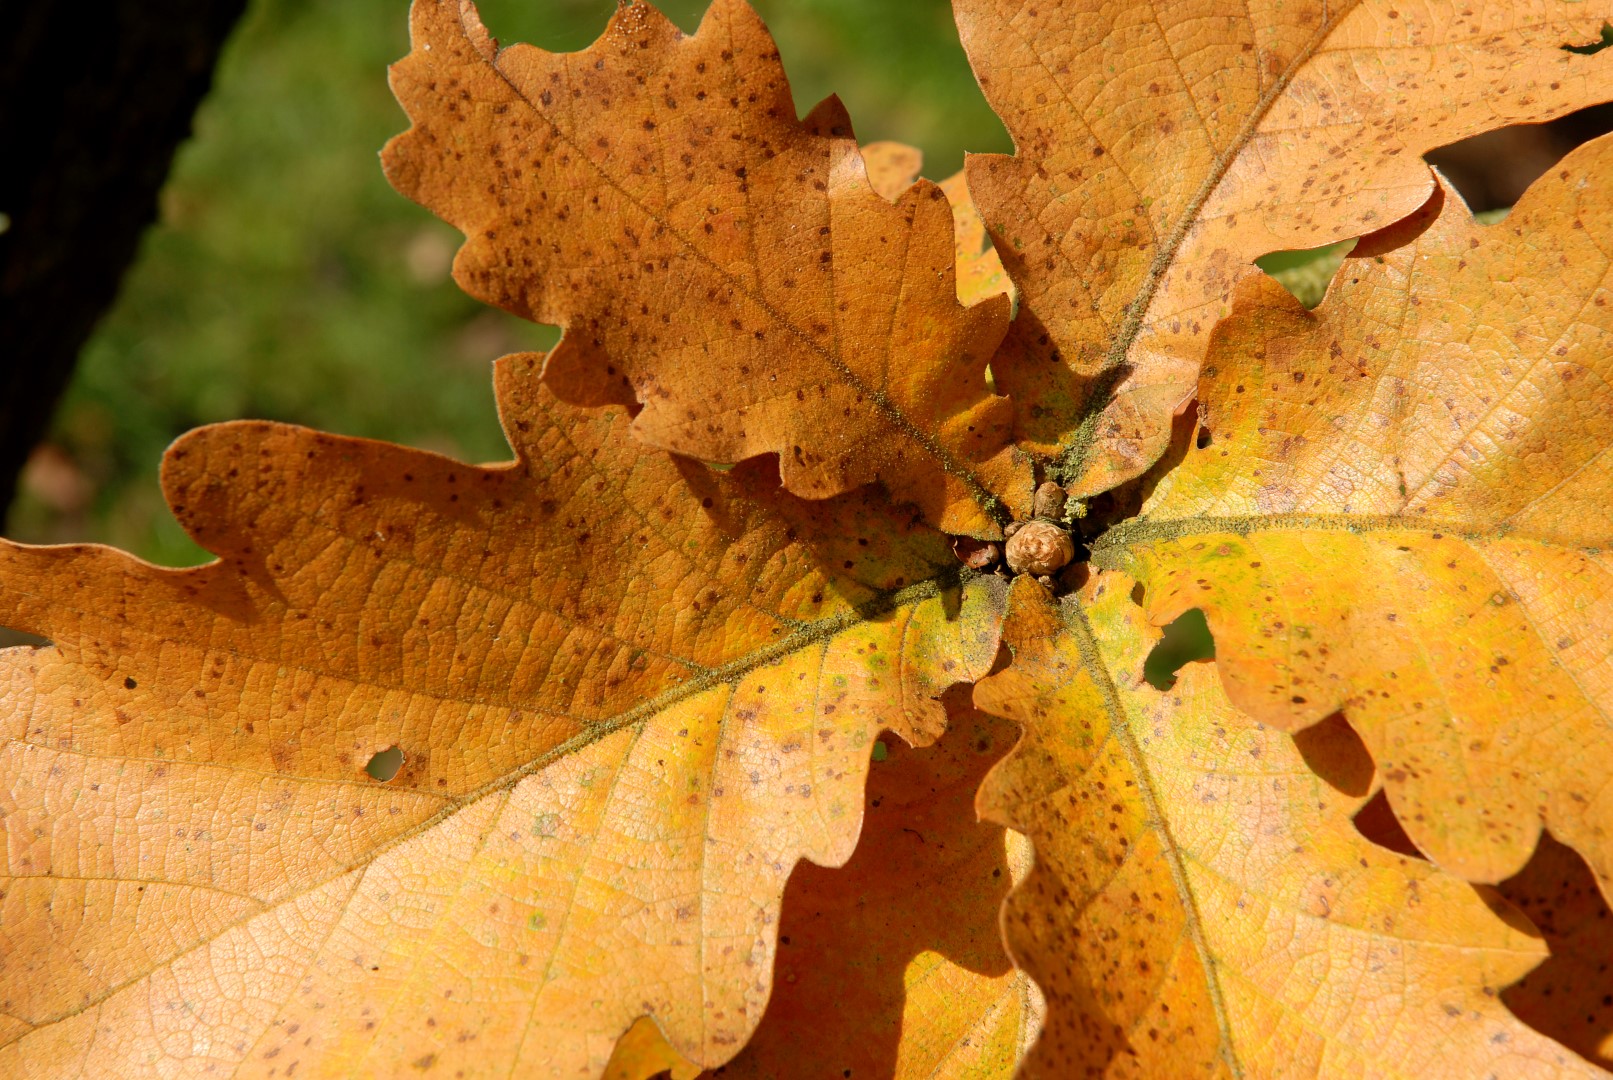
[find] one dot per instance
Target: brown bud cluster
(1039, 547)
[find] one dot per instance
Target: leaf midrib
(1086, 642)
(1145, 530)
(730, 673)
(1075, 457)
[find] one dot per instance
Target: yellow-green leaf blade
(1403, 511)
(1201, 904)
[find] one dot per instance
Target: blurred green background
(286, 280)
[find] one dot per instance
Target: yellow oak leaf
(1162, 147)
(892, 966)
(893, 167)
(630, 694)
(1201, 904)
(572, 766)
(643, 1054)
(980, 269)
(927, 993)
(1401, 506)
(727, 267)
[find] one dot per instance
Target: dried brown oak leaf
(711, 257)
(1162, 146)
(1404, 509)
(631, 693)
(1201, 904)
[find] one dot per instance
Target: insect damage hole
(1185, 640)
(385, 764)
(1306, 273)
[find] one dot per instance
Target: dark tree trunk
(94, 99)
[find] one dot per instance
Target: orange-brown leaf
(1162, 147)
(1405, 510)
(630, 693)
(893, 167)
(1201, 905)
(711, 257)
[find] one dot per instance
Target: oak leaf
(893, 168)
(712, 258)
(630, 692)
(642, 1053)
(1162, 147)
(1403, 508)
(928, 994)
(632, 682)
(1201, 904)
(894, 962)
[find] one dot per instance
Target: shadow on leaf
(894, 961)
(1570, 996)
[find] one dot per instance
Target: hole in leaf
(1593, 47)
(1377, 822)
(1185, 640)
(385, 764)
(1306, 274)
(1491, 169)
(1204, 438)
(10, 639)
(1569, 997)
(1336, 753)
